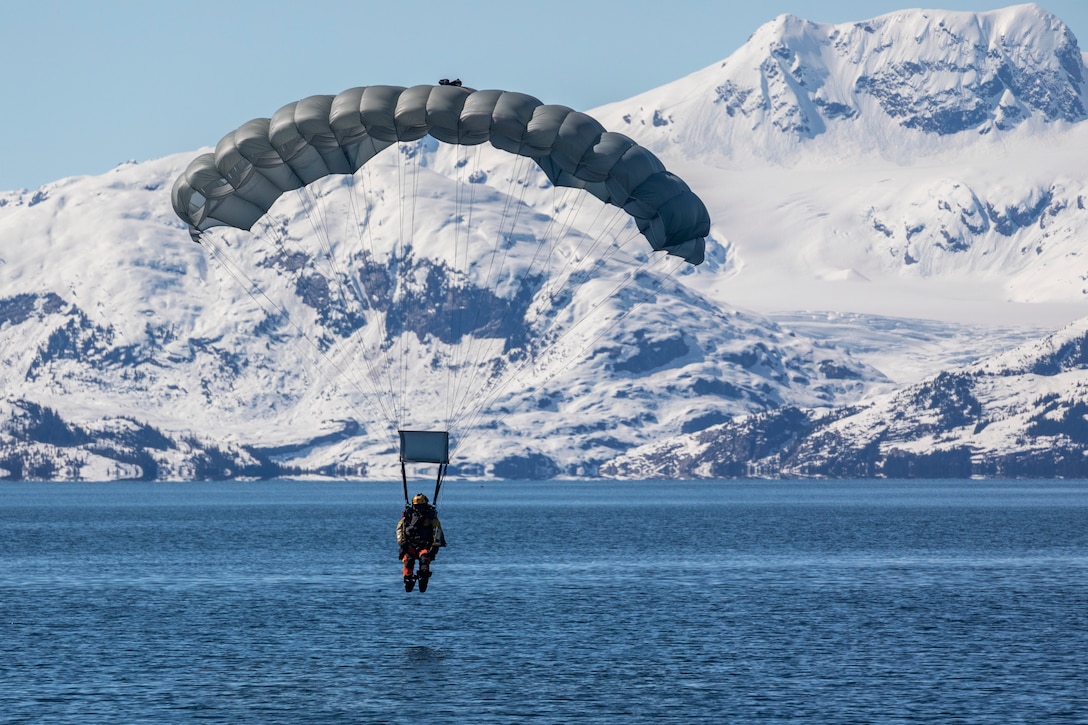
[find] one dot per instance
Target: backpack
(419, 524)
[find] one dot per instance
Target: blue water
(555, 602)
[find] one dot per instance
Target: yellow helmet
(419, 498)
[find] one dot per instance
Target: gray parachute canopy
(322, 135)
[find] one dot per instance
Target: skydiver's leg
(425, 557)
(408, 570)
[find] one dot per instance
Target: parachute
(397, 267)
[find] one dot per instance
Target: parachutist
(419, 536)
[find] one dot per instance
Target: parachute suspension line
(383, 362)
(484, 400)
(546, 302)
(466, 182)
(547, 234)
(602, 259)
(362, 232)
(278, 234)
(417, 171)
(472, 344)
(319, 227)
(353, 232)
(386, 405)
(363, 181)
(398, 264)
(579, 256)
(645, 296)
(241, 278)
(456, 291)
(351, 288)
(545, 240)
(571, 202)
(628, 273)
(457, 299)
(505, 240)
(408, 179)
(346, 374)
(463, 409)
(393, 349)
(317, 215)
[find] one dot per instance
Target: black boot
(410, 581)
(423, 577)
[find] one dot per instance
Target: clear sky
(88, 84)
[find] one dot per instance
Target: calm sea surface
(282, 602)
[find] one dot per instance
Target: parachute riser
(437, 483)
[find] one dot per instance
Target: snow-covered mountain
(899, 86)
(920, 164)
(128, 351)
(1023, 412)
(890, 198)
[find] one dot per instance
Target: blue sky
(86, 85)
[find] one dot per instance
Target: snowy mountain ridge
(902, 86)
(920, 164)
(1021, 413)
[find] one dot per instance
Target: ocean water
(601, 602)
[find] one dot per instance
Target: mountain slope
(1019, 413)
(921, 164)
(899, 86)
(113, 319)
